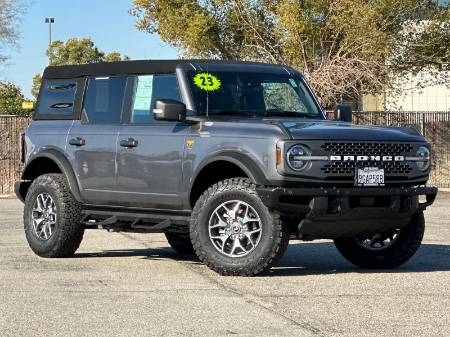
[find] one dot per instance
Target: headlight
(295, 157)
(423, 158)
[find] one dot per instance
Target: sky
(106, 22)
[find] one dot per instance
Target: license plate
(369, 176)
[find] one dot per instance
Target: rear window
(103, 100)
(57, 98)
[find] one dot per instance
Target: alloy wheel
(235, 228)
(379, 241)
(43, 216)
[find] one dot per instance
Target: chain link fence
(435, 125)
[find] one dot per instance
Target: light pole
(49, 21)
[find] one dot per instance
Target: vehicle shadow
(323, 258)
(304, 259)
(147, 253)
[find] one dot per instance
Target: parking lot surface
(121, 284)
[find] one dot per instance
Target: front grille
(367, 149)
(348, 168)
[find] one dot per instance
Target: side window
(103, 100)
(57, 98)
(148, 89)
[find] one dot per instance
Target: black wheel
(387, 250)
(233, 232)
(180, 242)
(52, 217)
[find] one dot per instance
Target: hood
(335, 130)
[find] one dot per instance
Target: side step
(131, 221)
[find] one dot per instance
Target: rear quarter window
(58, 99)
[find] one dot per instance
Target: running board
(130, 221)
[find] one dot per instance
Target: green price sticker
(207, 81)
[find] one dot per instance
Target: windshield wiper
(291, 114)
(231, 113)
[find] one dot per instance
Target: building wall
(408, 96)
(372, 102)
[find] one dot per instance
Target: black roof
(134, 67)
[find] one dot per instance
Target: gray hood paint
(333, 130)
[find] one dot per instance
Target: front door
(92, 142)
(150, 152)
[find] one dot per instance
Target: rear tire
(181, 243)
(52, 217)
(234, 233)
(402, 248)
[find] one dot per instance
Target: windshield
(252, 94)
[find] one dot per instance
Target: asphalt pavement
(121, 284)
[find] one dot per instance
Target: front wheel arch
(238, 166)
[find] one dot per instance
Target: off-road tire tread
(400, 252)
(71, 231)
(276, 250)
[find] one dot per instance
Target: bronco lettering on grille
(367, 158)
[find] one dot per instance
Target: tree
(74, 51)
(11, 99)
(345, 47)
(10, 11)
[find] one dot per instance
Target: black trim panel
(77, 104)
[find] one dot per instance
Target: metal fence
(10, 129)
(434, 125)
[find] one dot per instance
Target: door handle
(77, 141)
(130, 142)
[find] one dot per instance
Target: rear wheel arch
(51, 161)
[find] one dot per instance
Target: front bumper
(329, 213)
(284, 199)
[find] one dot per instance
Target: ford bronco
(229, 159)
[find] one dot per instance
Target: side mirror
(169, 110)
(343, 112)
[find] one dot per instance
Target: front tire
(384, 251)
(52, 217)
(233, 232)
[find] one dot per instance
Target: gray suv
(229, 159)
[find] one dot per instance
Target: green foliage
(11, 99)
(346, 47)
(75, 51)
(114, 57)
(37, 79)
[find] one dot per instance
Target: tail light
(22, 147)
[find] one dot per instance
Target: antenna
(207, 94)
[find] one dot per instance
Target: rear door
(150, 152)
(92, 141)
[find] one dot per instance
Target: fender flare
(243, 161)
(64, 165)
